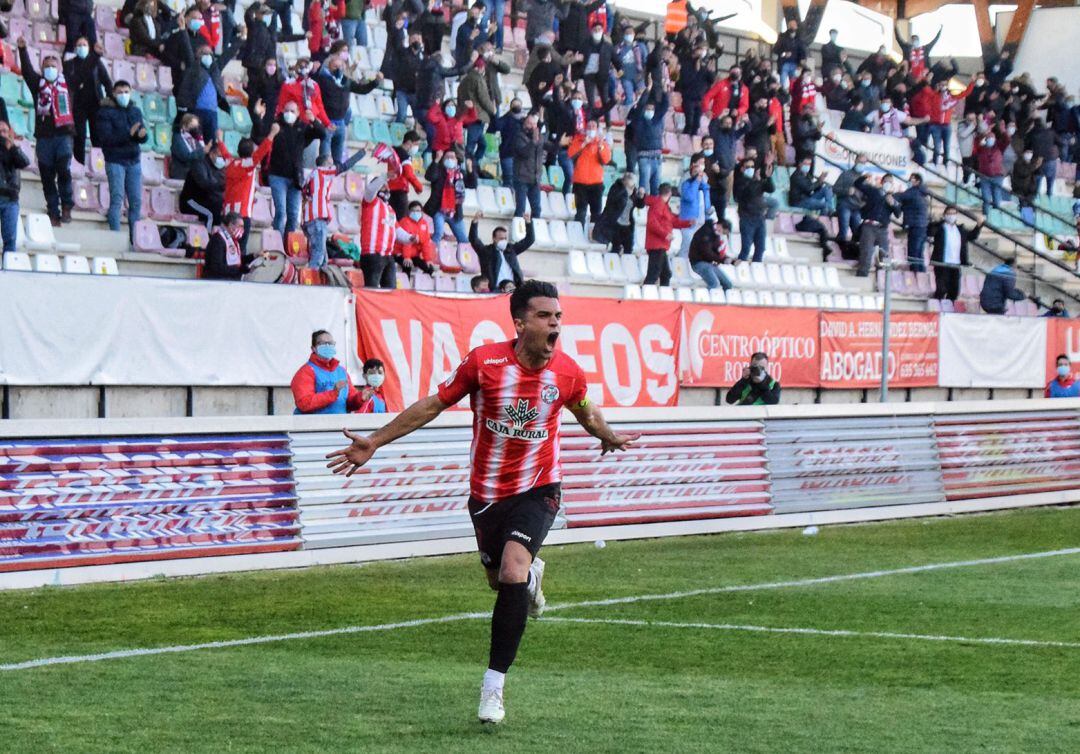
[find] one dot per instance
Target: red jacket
(659, 224)
(291, 92)
(941, 106)
(803, 95)
(303, 388)
(589, 159)
(448, 131)
(922, 102)
(989, 159)
(718, 99)
(317, 36)
(424, 248)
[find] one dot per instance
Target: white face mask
(591, 133)
(375, 379)
(597, 36)
(219, 162)
(950, 219)
(1029, 156)
(501, 245)
(289, 117)
(450, 164)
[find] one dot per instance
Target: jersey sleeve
(578, 396)
(463, 381)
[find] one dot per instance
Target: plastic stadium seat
(650, 293)
(354, 186)
(262, 211)
(780, 298)
(164, 80)
(47, 263)
(163, 203)
(380, 131)
(577, 264)
(296, 245)
(162, 136)
(504, 198)
(680, 271)
(559, 238)
(614, 267)
(558, 206)
(199, 237)
(75, 264)
(17, 261)
(467, 259)
(734, 297)
(271, 240)
(765, 298)
(685, 295)
(147, 238)
(422, 281)
(717, 296)
(20, 121)
(631, 268)
(789, 276)
(774, 275)
(542, 235)
(444, 283)
(448, 260)
(796, 299)
(595, 262)
(632, 292)
(361, 129)
(817, 278)
(40, 236)
(576, 235)
(759, 276)
(86, 197)
(832, 278)
(369, 110)
(348, 217)
(152, 172)
(557, 178)
(667, 293)
(145, 78)
(241, 119)
(701, 295)
(839, 301)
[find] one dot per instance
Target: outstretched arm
(349, 459)
(589, 417)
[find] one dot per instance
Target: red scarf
(917, 61)
(54, 100)
(232, 248)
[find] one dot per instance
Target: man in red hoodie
(727, 94)
(659, 224)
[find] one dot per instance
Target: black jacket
(261, 43)
(429, 81)
(801, 186)
(750, 193)
(805, 134)
(179, 53)
(936, 232)
(216, 268)
(436, 176)
(746, 392)
(141, 41)
(705, 246)
(196, 76)
(114, 124)
(336, 91)
(488, 253)
(529, 155)
(617, 199)
(43, 125)
(760, 131)
(12, 160)
(88, 81)
(574, 27)
(830, 57)
(790, 48)
(605, 58)
(287, 154)
(205, 185)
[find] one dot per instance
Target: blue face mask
(82, 51)
(123, 99)
(451, 111)
(194, 25)
(50, 73)
(649, 114)
(804, 168)
(268, 20)
(707, 152)
(207, 60)
(325, 351)
(416, 216)
(748, 172)
(1063, 370)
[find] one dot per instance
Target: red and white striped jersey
(240, 178)
(317, 194)
(378, 226)
(516, 417)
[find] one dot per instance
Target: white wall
(1049, 46)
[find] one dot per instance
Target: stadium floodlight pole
(887, 263)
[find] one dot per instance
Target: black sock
(508, 624)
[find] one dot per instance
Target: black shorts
(524, 518)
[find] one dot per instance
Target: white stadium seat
(504, 199)
(810, 300)
(558, 205)
(817, 278)
(790, 280)
(749, 298)
(775, 277)
(576, 234)
(650, 293)
(685, 295)
(666, 293)
(734, 297)
(680, 271)
(840, 301)
(559, 238)
(765, 298)
(758, 276)
(47, 263)
(717, 296)
(832, 279)
(17, 261)
(701, 296)
(471, 205)
(105, 266)
(485, 196)
(796, 299)
(577, 264)
(631, 268)
(543, 235)
(40, 236)
(595, 262)
(802, 275)
(825, 301)
(614, 267)
(74, 264)
(780, 298)
(632, 292)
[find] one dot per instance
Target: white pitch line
(820, 632)
(457, 617)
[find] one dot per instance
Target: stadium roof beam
(986, 30)
(1019, 24)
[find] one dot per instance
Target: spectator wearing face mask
(695, 200)
(286, 170)
(790, 51)
(660, 223)
(1043, 143)
(379, 232)
(950, 253)
(915, 205)
(121, 131)
(1064, 385)
(202, 90)
(849, 201)
(500, 249)
(337, 88)
(241, 177)
(473, 88)
(757, 387)
(720, 164)
(322, 386)
(942, 103)
(878, 209)
(400, 175)
(374, 402)
(472, 34)
(203, 193)
(916, 54)
(631, 55)
(508, 126)
(529, 153)
(695, 81)
(616, 223)
(263, 89)
(966, 133)
(89, 83)
(869, 93)
(303, 92)
(597, 69)
(590, 151)
(418, 250)
(53, 132)
(324, 26)
(709, 249)
(988, 156)
(999, 287)
(729, 93)
(890, 121)
(188, 146)
(12, 161)
(448, 125)
(447, 181)
(77, 16)
(647, 120)
(750, 187)
(1057, 309)
(179, 45)
(1025, 184)
(224, 259)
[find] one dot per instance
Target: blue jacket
(649, 134)
(695, 198)
(999, 287)
(875, 208)
(916, 207)
(114, 124)
(507, 126)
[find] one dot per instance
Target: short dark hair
(410, 136)
(1061, 356)
(664, 188)
(315, 336)
(497, 229)
(415, 204)
(758, 355)
(370, 364)
(476, 281)
(245, 148)
(1062, 302)
(230, 218)
(526, 292)
(917, 176)
(119, 83)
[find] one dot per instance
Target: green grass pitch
(627, 687)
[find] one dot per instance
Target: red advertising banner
(851, 349)
(628, 349)
(719, 341)
(1062, 337)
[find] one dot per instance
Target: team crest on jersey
(520, 415)
(549, 393)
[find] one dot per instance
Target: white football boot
(491, 706)
(537, 602)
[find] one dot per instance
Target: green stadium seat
(225, 121)
(232, 140)
(493, 141)
(10, 87)
(556, 177)
(397, 133)
(170, 107)
(380, 132)
(162, 138)
(241, 119)
(25, 98)
(20, 121)
(154, 109)
(361, 129)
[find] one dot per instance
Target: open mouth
(552, 338)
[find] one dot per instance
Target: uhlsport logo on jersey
(520, 415)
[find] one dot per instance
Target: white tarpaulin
(985, 351)
(890, 152)
(89, 330)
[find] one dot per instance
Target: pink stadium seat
(114, 49)
(448, 259)
(19, 27)
(77, 170)
(123, 70)
(354, 186)
(147, 238)
(671, 143)
(444, 284)
(103, 194)
(152, 173)
(262, 211)
(403, 282)
(271, 240)
(348, 217)
(785, 223)
(198, 236)
(422, 281)
(86, 197)
(145, 77)
(337, 189)
(48, 35)
(96, 166)
(105, 18)
(164, 79)
(925, 282)
(162, 203)
(467, 259)
(38, 10)
(946, 305)
(934, 305)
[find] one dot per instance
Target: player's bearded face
(539, 330)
